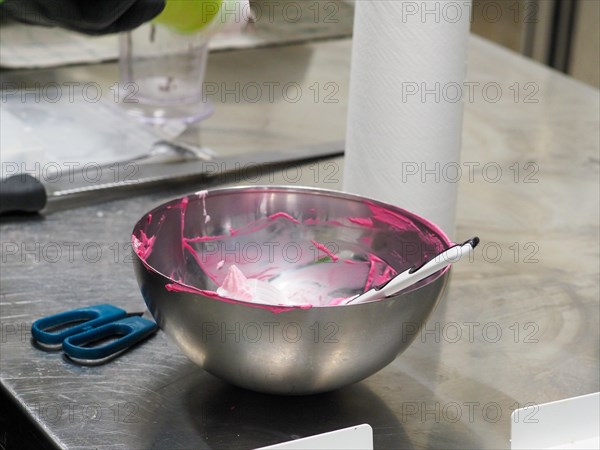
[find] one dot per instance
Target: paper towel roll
(405, 108)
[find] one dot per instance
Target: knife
(24, 193)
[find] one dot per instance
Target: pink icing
(375, 279)
(143, 245)
(391, 218)
(282, 215)
(250, 228)
(378, 271)
(362, 221)
(183, 207)
(325, 250)
(191, 290)
(236, 285)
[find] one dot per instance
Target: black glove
(84, 16)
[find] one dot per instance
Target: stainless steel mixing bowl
(286, 235)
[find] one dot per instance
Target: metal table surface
(519, 324)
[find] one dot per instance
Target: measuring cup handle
(131, 330)
(93, 316)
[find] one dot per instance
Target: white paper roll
(405, 104)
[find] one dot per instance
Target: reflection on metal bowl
(316, 246)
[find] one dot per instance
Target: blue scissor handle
(94, 316)
(132, 330)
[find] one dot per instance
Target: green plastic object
(189, 16)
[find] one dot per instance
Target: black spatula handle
(22, 193)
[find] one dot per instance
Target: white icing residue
(202, 195)
(237, 287)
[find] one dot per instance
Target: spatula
(415, 274)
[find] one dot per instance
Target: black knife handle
(22, 193)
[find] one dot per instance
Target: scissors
(92, 324)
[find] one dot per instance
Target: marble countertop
(519, 325)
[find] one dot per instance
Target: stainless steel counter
(519, 324)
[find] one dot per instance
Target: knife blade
(24, 193)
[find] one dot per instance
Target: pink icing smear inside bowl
(279, 249)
